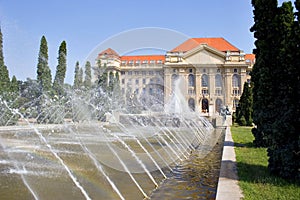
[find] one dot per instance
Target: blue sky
(85, 24)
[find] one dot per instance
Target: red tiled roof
(218, 43)
(141, 58)
(250, 57)
(109, 52)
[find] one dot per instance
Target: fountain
(130, 156)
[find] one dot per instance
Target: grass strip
(254, 178)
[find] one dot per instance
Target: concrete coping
(228, 188)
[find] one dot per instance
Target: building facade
(212, 73)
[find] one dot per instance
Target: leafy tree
(58, 84)
(44, 77)
(244, 116)
(88, 75)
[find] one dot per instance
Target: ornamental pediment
(204, 54)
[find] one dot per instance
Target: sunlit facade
(213, 73)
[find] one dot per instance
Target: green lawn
(255, 180)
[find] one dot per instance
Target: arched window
(204, 80)
(218, 80)
(191, 104)
(191, 80)
(218, 105)
(174, 78)
(236, 81)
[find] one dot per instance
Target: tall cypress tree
(276, 85)
(58, 84)
(283, 157)
(88, 75)
(44, 77)
(80, 77)
(4, 74)
(264, 29)
(244, 116)
(76, 76)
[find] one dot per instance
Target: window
(151, 72)
(136, 73)
(218, 70)
(130, 62)
(123, 62)
(145, 61)
(159, 62)
(236, 81)
(205, 91)
(204, 70)
(144, 81)
(236, 92)
(122, 73)
(235, 103)
(136, 81)
(218, 80)
(144, 73)
(150, 91)
(191, 70)
(191, 79)
(152, 61)
(123, 81)
(235, 70)
(191, 91)
(137, 62)
(204, 80)
(218, 91)
(136, 91)
(130, 73)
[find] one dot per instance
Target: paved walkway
(228, 188)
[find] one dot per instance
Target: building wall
(211, 78)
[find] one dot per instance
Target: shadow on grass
(259, 174)
(231, 144)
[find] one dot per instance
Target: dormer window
(145, 61)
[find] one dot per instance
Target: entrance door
(205, 105)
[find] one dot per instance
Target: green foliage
(76, 83)
(44, 77)
(276, 86)
(58, 84)
(244, 117)
(88, 75)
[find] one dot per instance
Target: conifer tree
(4, 74)
(80, 78)
(76, 76)
(44, 77)
(264, 30)
(88, 75)
(244, 117)
(276, 86)
(58, 84)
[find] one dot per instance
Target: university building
(212, 70)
